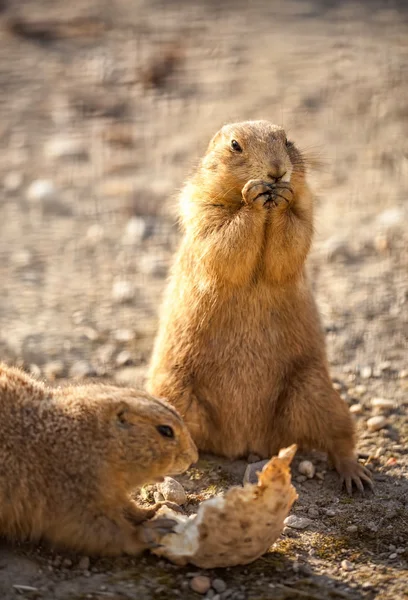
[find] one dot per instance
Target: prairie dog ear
(214, 139)
(121, 413)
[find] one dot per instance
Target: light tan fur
(240, 351)
(70, 458)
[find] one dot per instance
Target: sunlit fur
(70, 457)
(240, 351)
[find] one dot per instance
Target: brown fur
(240, 351)
(70, 457)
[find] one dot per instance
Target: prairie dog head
(143, 438)
(250, 150)
(152, 436)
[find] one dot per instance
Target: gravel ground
(103, 112)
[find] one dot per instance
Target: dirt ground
(104, 108)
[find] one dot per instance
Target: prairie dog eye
(288, 143)
(235, 146)
(165, 431)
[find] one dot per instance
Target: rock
(84, 563)
(336, 249)
(382, 403)
(360, 390)
(13, 181)
(366, 372)
(393, 556)
(67, 563)
(306, 467)
(158, 497)
(385, 365)
(219, 585)
(300, 478)
(172, 491)
(149, 264)
(66, 148)
(356, 409)
(54, 369)
(200, 584)
(35, 371)
(81, 369)
(253, 458)
(330, 512)
(134, 232)
(352, 529)
(403, 374)
(41, 190)
(290, 532)
(313, 512)
(123, 291)
(250, 475)
(346, 565)
(123, 335)
(376, 423)
(124, 358)
(391, 218)
(297, 522)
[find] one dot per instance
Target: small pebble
(320, 476)
(250, 475)
(54, 369)
(123, 335)
(219, 585)
(65, 148)
(297, 522)
(379, 452)
(403, 374)
(253, 458)
(84, 563)
(376, 423)
(291, 533)
(346, 565)
(382, 403)
(330, 512)
(356, 409)
(41, 190)
(393, 556)
(172, 491)
(200, 584)
(313, 512)
(385, 365)
(360, 390)
(81, 369)
(300, 478)
(306, 467)
(122, 291)
(66, 563)
(124, 358)
(366, 372)
(352, 529)
(134, 232)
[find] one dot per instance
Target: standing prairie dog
(240, 351)
(70, 457)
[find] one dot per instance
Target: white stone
(366, 372)
(382, 403)
(123, 291)
(376, 423)
(356, 409)
(306, 467)
(297, 522)
(135, 231)
(346, 565)
(41, 190)
(65, 147)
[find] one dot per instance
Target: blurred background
(105, 107)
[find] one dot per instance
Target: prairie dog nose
(277, 170)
